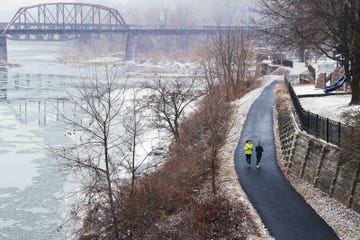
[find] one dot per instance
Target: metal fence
(323, 128)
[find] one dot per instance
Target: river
(32, 197)
(34, 193)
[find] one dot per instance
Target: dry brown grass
(176, 202)
(281, 92)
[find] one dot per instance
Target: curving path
(283, 211)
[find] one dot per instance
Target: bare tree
(217, 112)
(169, 100)
(136, 126)
(94, 158)
(227, 60)
(329, 27)
(225, 66)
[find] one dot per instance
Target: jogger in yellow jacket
(249, 148)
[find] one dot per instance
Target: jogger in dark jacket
(259, 150)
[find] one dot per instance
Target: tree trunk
(213, 165)
(355, 83)
(355, 91)
(110, 191)
(133, 162)
(302, 54)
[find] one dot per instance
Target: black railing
(323, 128)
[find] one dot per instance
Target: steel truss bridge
(61, 21)
(65, 21)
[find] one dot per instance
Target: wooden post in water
(20, 110)
(44, 112)
(25, 111)
(39, 104)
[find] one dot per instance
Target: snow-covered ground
(332, 106)
(327, 106)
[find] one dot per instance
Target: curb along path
(283, 211)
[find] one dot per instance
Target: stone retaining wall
(316, 161)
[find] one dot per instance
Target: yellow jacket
(249, 147)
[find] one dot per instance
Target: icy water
(34, 193)
(32, 197)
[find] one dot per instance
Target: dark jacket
(259, 149)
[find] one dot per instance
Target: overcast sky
(138, 11)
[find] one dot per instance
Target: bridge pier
(130, 47)
(3, 48)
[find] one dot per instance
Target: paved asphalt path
(283, 211)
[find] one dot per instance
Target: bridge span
(64, 21)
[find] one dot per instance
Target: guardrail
(324, 128)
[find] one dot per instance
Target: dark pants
(248, 158)
(258, 158)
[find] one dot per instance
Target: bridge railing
(324, 128)
(68, 26)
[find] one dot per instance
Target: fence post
(317, 125)
(339, 133)
(327, 130)
(308, 121)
